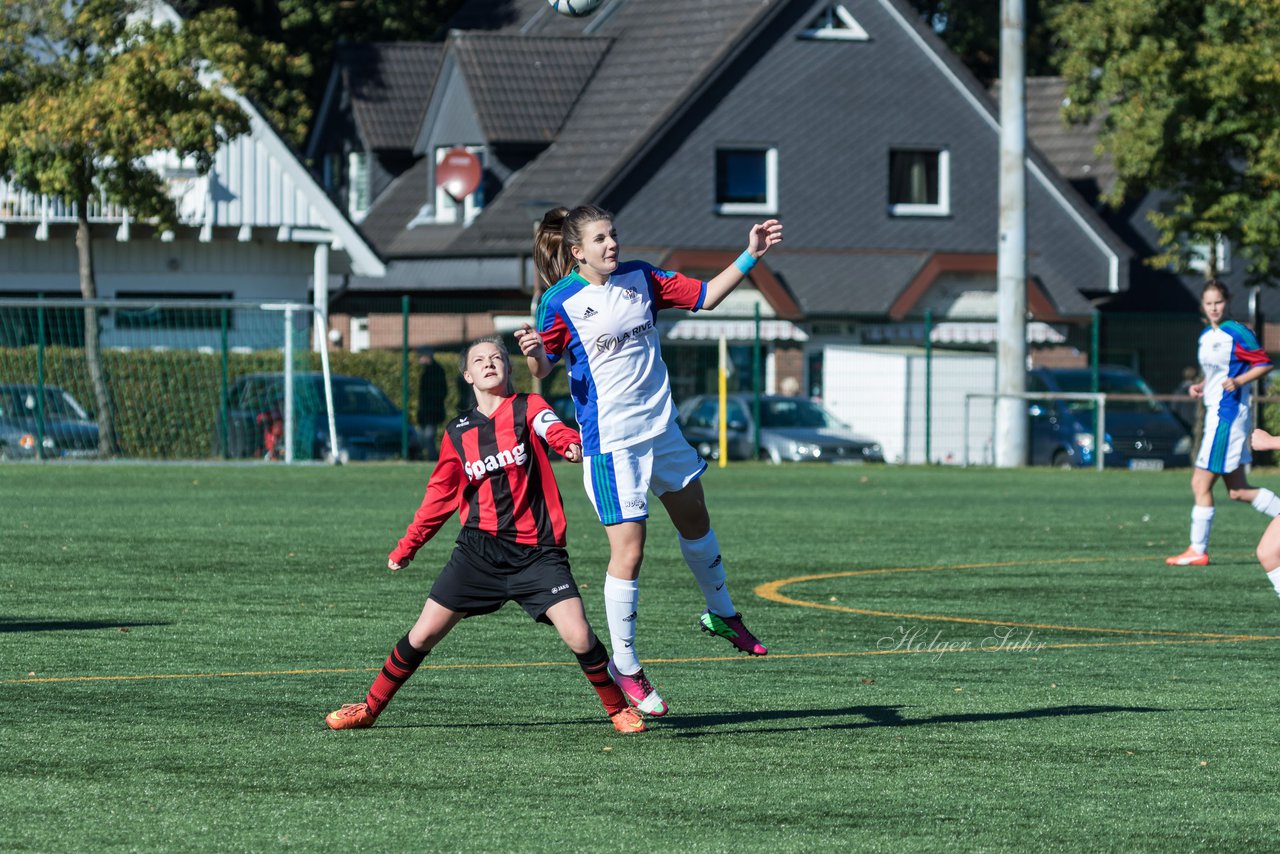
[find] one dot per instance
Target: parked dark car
(1140, 434)
(792, 429)
(369, 425)
(68, 429)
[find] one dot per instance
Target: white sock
(621, 599)
(1274, 577)
(1201, 525)
(1266, 502)
(703, 557)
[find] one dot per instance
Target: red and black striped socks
(595, 664)
(399, 666)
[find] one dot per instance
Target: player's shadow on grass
(696, 726)
(11, 624)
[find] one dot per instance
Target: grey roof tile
(389, 84)
(523, 87)
(663, 50)
(1072, 149)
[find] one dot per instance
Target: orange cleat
(1190, 557)
(351, 716)
(628, 720)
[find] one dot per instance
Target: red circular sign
(458, 172)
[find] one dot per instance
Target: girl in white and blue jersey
(1230, 359)
(599, 316)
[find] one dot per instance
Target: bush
(166, 403)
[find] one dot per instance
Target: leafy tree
(1189, 93)
(89, 89)
(971, 29)
(310, 30)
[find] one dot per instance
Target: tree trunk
(92, 344)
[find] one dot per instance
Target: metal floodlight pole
(1011, 264)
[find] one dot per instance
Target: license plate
(1146, 465)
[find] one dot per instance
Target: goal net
(163, 380)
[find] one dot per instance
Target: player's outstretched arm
(394, 566)
(762, 236)
(531, 346)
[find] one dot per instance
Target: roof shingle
(389, 84)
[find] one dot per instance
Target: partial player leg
(571, 622)
(688, 510)
(1202, 512)
(621, 607)
(1269, 553)
(1239, 489)
(432, 625)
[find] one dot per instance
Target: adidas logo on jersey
(482, 468)
(590, 312)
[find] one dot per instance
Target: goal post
(185, 379)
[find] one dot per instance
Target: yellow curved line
(771, 591)
(857, 653)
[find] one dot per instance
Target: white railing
(190, 193)
(19, 205)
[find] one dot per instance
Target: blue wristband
(745, 262)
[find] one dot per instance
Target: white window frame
(770, 204)
(824, 26)
(943, 205)
(1199, 256)
(446, 209)
(358, 185)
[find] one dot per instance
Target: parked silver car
(792, 429)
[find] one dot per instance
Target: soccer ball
(575, 8)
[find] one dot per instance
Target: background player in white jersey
(1269, 546)
(599, 316)
(1230, 359)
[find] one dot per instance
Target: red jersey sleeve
(440, 502)
(545, 422)
(676, 290)
(555, 335)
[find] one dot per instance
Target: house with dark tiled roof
(850, 121)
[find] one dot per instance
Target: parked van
(1140, 434)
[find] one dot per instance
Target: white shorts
(1225, 446)
(618, 483)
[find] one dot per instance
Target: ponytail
(560, 228)
(551, 258)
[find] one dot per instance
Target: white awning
(697, 329)
(989, 333)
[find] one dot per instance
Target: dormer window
(448, 210)
(835, 22)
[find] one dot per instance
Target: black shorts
(485, 572)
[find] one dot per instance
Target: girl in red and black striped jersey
(494, 472)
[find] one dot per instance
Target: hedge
(166, 403)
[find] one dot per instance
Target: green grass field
(960, 661)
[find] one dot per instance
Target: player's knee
(626, 559)
(577, 638)
(1240, 494)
